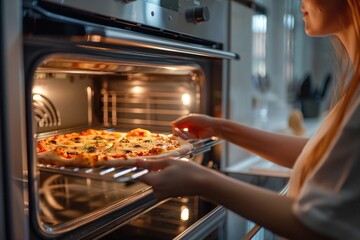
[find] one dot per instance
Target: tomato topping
(118, 155)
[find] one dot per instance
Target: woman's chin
(313, 33)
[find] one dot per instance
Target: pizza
(95, 148)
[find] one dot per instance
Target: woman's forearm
(262, 206)
(279, 148)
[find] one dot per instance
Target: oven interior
(71, 93)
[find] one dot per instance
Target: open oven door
(13, 166)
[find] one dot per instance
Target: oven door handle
(137, 40)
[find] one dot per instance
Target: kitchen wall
(291, 53)
(240, 96)
(290, 56)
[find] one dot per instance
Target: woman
(324, 198)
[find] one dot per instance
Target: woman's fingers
(149, 178)
(182, 120)
(172, 177)
(184, 133)
(155, 179)
(186, 121)
(188, 127)
(193, 126)
(153, 165)
(177, 132)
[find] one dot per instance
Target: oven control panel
(205, 19)
(198, 14)
(193, 12)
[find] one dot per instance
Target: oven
(117, 65)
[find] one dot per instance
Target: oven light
(137, 89)
(186, 99)
(37, 91)
(184, 216)
(37, 97)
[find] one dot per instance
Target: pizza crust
(53, 159)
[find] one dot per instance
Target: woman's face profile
(323, 17)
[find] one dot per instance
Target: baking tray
(125, 174)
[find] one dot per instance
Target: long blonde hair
(347, 92)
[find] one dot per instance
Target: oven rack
(124, 174)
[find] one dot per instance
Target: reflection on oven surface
(166, 221)
(64, 198)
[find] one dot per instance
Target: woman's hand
(174, 178)
(196, 126)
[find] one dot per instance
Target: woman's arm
(183, 178)
(266, 208)
(278, 148)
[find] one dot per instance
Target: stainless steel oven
(73, 65)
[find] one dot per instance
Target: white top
(329, 201)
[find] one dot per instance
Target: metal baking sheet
(116, 174)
